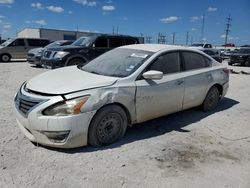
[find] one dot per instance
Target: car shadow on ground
(174, 122)
(14, 61)
(37, 66)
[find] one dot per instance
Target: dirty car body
(141, 82)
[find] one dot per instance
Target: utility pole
(117, 30)
(228, 28)
(148, 39)
(202, 28)
(191, 41)
(113, 30)
(173, 37)
(161, 39)
(187, 39)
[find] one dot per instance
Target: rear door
(197, 78)
(155, 98)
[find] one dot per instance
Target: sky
(133, 17)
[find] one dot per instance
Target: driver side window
(18, 42)
(167, 63)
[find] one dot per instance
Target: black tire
(75, 61)
(212, 99)
(247, 63)
(107, 126)
(5, 58)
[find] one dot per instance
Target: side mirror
(153, 75)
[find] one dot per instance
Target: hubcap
(109, 127)
(5, 58)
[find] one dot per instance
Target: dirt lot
(186, 149)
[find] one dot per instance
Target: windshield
(197, 45)
(6, 43)
(119, 62)
(83, 41)
(243, 51)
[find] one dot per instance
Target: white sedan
(73, 106)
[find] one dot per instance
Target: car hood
(35, 50)
(66, 80)
(65, 48)
(239, 54)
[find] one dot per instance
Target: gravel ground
(186, 149)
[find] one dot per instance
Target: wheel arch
(76, 57)
(219, 87)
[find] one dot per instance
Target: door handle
(179, 82)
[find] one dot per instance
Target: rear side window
(37, 42)
(101, 42)
(131, 41)
(115, 42)
(18, 42)
(167, 63)
(194, 60)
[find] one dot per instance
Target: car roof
(155, 47)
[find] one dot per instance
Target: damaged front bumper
(56, 131)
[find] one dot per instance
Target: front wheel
(75, 61)
(5, 58)
(107, 126)
(212, 99)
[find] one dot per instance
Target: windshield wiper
(94, 72)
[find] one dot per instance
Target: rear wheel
(5, 58)
(76, 61)
(107, 126)
(211, 100)
(247, 63)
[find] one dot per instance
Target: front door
(155, 98)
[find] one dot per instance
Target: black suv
(84, 50)
(242, 56)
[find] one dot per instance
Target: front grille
(25, 104)
(30, 55)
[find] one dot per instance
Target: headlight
(60, 54)
(39, 53)
(70, 107)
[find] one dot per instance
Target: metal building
(51, 34)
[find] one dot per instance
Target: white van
(17, 48)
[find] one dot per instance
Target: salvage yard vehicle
(214, 54)
(17, 48)
(84, 49)
(242, 56)
(34, 55)
(73, 106)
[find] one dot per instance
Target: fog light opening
(56, 136)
